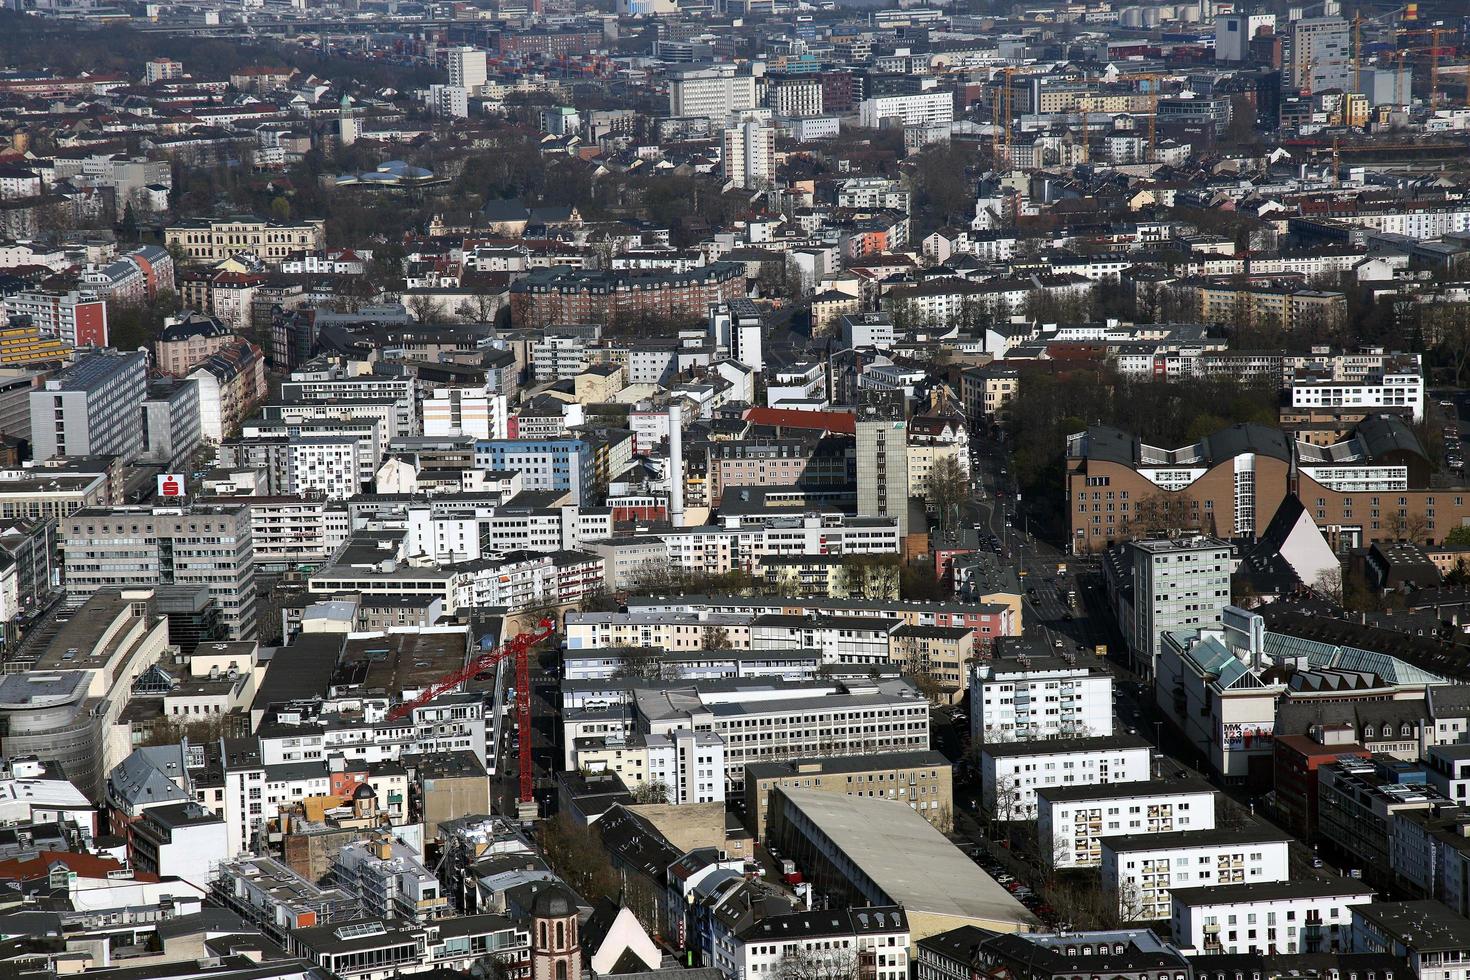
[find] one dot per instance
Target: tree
(1328, 583)
(577, 857)
(1446, 327)
(653, 791)
(807, 963)
(1458, 537)
(641, 663)
(949, 488)
(715, 637)
(425, 308)
(869, 576)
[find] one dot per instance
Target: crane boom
(516, 647)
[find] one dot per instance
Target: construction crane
(517, 647)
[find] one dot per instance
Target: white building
(1072, 820)
(930, 108)
(1012, 772)
(1268, 918)
(326, 465)
(449, 101)
(847, 640)
(1029, 698)
(690, 765)
(92, 408)
(750, 154)
(1143, 869)
(1216, 694)
(181, 839)
(473, 412)
(1395, 390)
(832, 941)
(711, 90)
(796, 97)
(467, 68)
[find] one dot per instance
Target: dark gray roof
(1383, 434)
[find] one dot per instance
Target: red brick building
(566, 295)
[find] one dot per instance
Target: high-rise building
(750, 154)
(467, 68)
(800, 96)
(1233, 34)
(710, 89)
(127, 547)
(92, 408)
(1319, 54)
(883, 461)
(1178, 583)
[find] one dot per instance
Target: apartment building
(1403, 392)
(211, 241)
(1037, 696)
(749, 154)
(876, 935)
(92, 408)
(844, 640)
(1012, 772)
(1143, 869)
(126, 547)
(586, 296)
(78, 318)
(388, 879)
(1072, 820)
(1268, 918)
(922, 779)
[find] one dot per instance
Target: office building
(1175, 583)
(123, 547)
(711, 90)
(92, 408)
(1233, 34)
(1318, 55)
(927, 109)
(78, 319)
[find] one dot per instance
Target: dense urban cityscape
(735, 490)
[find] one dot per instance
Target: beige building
(942, 654)
(270, 241)
(922, 779)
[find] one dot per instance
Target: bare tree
(805, 963)
(715, 637)
(1329, 583)
(949, 487)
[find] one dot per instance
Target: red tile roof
(85, 866)
(842, 423)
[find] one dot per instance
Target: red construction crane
(517, 646)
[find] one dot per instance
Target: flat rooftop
(913, 863)
(396, 662)
(1142, 789)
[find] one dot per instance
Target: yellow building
(214, 241)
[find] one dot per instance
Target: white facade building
(1029, 699)
(1072, 820)
(930, 108)
(710, 90)
(750, 154)
(1383, 391)
(691, 765)
(1143, 869)
(1269, 918)
(1012, 772)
